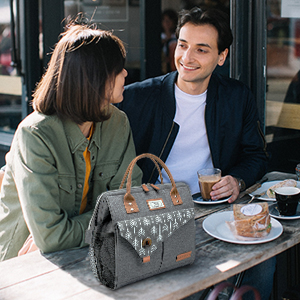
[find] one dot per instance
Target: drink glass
(287, 199)
(207, 178)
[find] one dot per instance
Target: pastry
(287, 182)
(252, 220)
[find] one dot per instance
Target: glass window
(283, 86)
(10, 83)
(121, 16)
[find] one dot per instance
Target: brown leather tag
(183, 256)
(145, 188)
(154, 186)
(146, 259)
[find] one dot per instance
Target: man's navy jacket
(234, 133)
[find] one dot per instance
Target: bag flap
(145, 233)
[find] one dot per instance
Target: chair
(237, 293)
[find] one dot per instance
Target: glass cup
(207, 178)
(287, 199)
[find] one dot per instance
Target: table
(67, 274)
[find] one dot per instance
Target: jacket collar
(212, 89)
(168, 93)
(76, 138)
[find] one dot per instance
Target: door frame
(248, 51)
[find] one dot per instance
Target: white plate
(265, 186)
(215, 225)
(197, 198)
(275, 213)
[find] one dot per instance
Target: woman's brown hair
(74, 85)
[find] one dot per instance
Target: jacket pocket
(67, 189)
(103, 174)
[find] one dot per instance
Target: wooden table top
(67, 274)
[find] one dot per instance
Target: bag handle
(129, 201)
(133, 163)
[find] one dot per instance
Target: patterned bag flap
(151, 230)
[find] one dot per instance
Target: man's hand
(228, 186)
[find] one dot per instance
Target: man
(194, 119)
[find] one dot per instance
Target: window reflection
(283, 93)
(10, 84)
(5, 47)
(121, 16)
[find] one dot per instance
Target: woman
(74, 146)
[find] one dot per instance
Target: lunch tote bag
(138, 232)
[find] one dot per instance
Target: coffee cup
(207, 178)
(287, 199)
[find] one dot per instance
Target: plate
(197, 198)
(275, 213)
(264, 187)
(215, 225)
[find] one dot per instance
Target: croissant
(287, 182)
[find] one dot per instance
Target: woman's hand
(29, 246)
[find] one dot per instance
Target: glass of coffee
(207, 178)
(287, 199)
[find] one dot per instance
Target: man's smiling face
(196, 56)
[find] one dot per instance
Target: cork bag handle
(129, 201)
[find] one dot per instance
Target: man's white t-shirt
(190, 151)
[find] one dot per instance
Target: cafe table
(67, 274)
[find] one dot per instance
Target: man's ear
(222, 57)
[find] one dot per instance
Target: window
(120, 16)
(10, 82)
(283, 87)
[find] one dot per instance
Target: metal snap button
(147, 242)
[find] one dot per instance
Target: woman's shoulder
(41, 124)
(116, 126)
(39, 120)
(117, 117)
